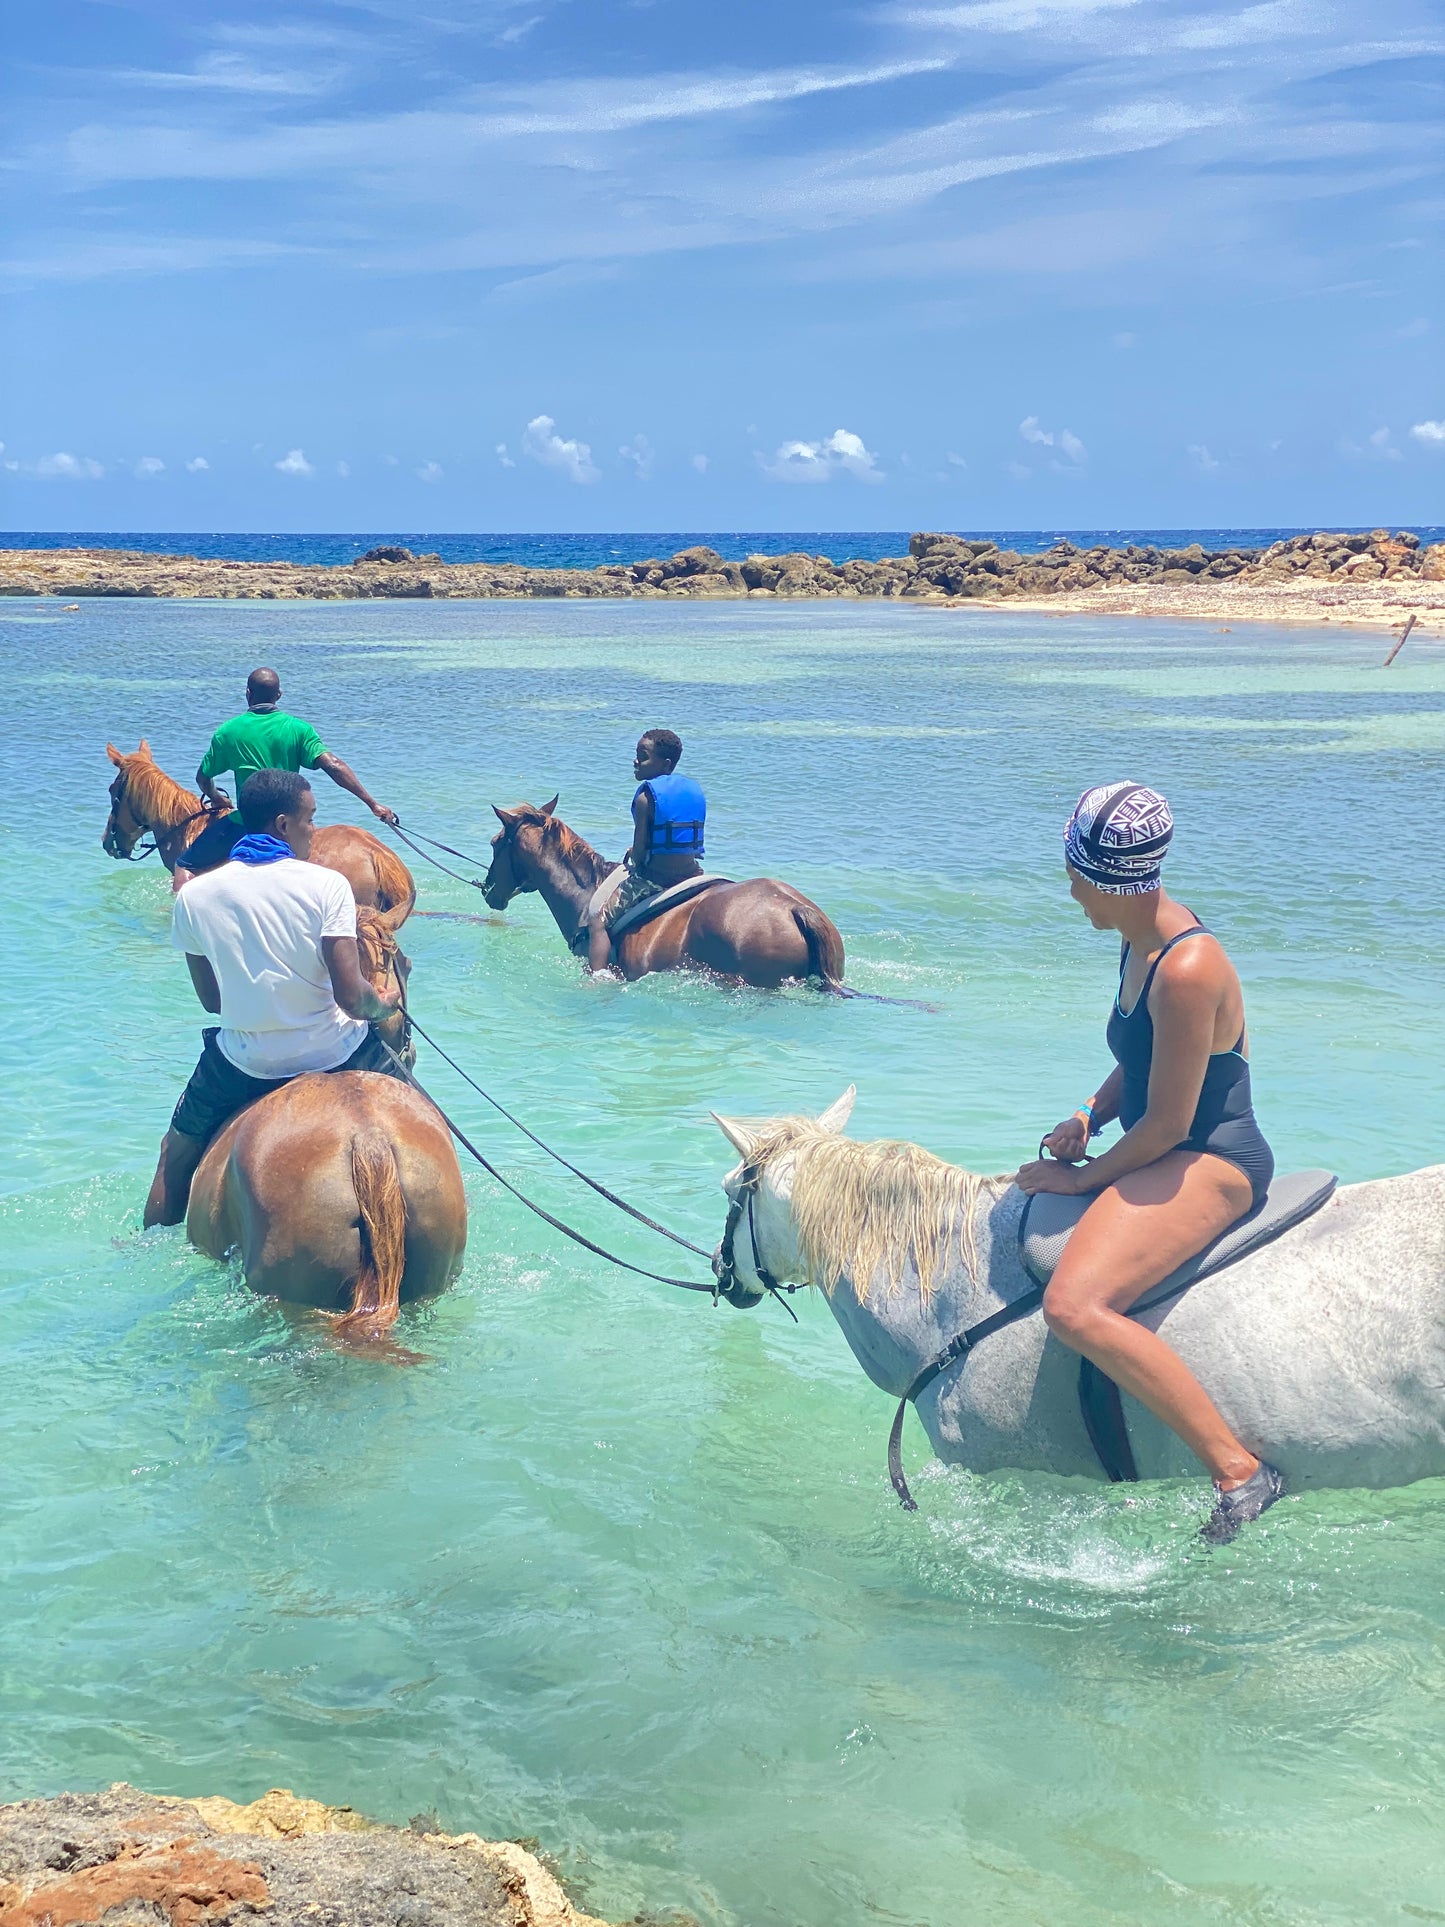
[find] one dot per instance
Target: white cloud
(956, 461)
(542, 443)
(1125, 339)
(1201, 454)
(149, 465)
(503, 457)
(639, 453)
(1413, 330)
(699, 462)
(1020, 471)
(197, 465)
(1065, 441)
(841, 453)
(343, 469)
(68, 468)
(430, 472)
(1432, 433)
(294, 464)
(1383, 447)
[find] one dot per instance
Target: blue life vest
(679, 811)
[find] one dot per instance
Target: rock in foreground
(131, 1859)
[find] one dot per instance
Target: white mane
(862, 1207)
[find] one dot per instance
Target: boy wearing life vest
(668, 815)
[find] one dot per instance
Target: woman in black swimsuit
(1192, 1159)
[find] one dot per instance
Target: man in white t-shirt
(270, 941)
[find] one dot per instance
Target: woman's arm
(1070, 1140)
(1183, 1002)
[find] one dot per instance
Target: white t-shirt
(260, 926)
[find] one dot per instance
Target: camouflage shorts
(634, 889)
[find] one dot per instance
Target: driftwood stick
(1404, 638)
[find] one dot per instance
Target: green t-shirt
(261, 739)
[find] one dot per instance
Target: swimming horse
(143, 799)
(1324, 1349)
(762, 932)
(341, 1190)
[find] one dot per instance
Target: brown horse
(762, 932)
(341, 1190)
(144, 799)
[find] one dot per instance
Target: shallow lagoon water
(616, 1569)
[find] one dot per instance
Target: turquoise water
(614, 1568)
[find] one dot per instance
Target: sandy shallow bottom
(1347, 605)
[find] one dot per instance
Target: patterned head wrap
(1118, 836)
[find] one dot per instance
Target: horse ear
(391, 920)
(743, 1141)
(507, 818)
(547, 808)
(115, 756)
(838, 1113)
(145, 748)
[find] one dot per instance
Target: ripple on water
(613, 1567)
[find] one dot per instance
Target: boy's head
(658, 751)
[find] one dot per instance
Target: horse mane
(575, 851)
(864, 1206)
(155, 798)
(374, 937)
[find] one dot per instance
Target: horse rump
(381, 1213)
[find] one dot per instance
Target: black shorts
(217, 1090)
(213, 846)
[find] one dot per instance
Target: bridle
(724, 1264)
(393, 957)
(141, 851)
(504, 841)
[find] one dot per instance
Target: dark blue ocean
(544, 551)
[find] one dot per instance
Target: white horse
(1325, 1351)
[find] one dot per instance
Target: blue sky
(574, 264)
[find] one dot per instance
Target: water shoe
(1235, 1509)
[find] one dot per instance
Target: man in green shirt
(265, 737)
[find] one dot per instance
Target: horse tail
(376, 1292)
(395, 884)
(825, 960)
(825, 947)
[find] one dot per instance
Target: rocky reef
(937, 568)
(132, 1859)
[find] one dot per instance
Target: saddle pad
(604, 893)
(669, 899)
(1049, 1219)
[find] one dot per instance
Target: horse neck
(567, 871)
(168, 803)
(894, 1331)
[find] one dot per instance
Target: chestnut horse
(762, 932)
(340, 1190)
(143, 798)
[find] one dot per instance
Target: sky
(664, 264)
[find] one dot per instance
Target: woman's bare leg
(1131, 1237)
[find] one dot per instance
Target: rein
(474, 883)
(141, 852)
(577, 1237)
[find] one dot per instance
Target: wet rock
(388, 554)
(132, 1858)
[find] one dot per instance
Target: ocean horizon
(582, 550)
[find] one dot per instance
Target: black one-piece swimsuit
(1224, 1121)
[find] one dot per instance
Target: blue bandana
(258, 847)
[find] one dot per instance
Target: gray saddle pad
(651, 907)
(1050, 1219)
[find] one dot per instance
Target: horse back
(378, 877)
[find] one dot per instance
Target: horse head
(383, 964)
(760, 1244)
(515, 851)
(124, 828)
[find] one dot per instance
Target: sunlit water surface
(618, 1570)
